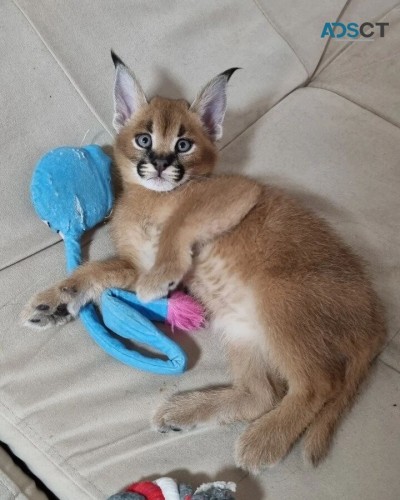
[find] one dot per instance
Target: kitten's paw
(158, 282)
(55, 306)
(257, 449)
(176, 414)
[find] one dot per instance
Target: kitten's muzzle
(160, 164)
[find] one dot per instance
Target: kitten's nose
(160, 164)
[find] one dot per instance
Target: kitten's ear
(128, 94)
(210, 104)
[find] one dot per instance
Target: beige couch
(320, 118)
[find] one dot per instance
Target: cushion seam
(84, 244)
(300, 86)
(7, 266)
(278, 32)
(361, 106)
(389, 365)
(63, 69)
(320, 60)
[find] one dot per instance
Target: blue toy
(71, 191)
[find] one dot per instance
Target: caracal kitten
(298, 317)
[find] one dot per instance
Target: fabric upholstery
(79, 419)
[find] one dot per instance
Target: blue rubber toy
(72, 192)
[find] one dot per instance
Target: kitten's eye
(183, 146)
(143, 140)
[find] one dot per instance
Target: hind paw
(176, 414)
(258, 448)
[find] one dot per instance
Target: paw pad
(42, 307)
(62, 310)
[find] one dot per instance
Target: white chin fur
(158, 184)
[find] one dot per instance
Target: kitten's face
(164, 145)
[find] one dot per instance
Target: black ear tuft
(116, 59)
(229, 72)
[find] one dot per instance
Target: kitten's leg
(62, 302)
(253, 393)
(269, 438)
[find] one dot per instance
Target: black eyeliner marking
(171, 158)
(181, 131)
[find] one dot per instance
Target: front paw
(52, 307)
(158, 282)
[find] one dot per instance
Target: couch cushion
(173, 47)
(81, 420)
(368, 72)
(40, 110)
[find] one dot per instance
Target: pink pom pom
(184, 312)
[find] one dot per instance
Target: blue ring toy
(71, 191)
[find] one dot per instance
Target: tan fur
(297, 314)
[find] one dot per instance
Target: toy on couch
(71, 191)
(166, 488)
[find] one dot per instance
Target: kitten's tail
(319, 434)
